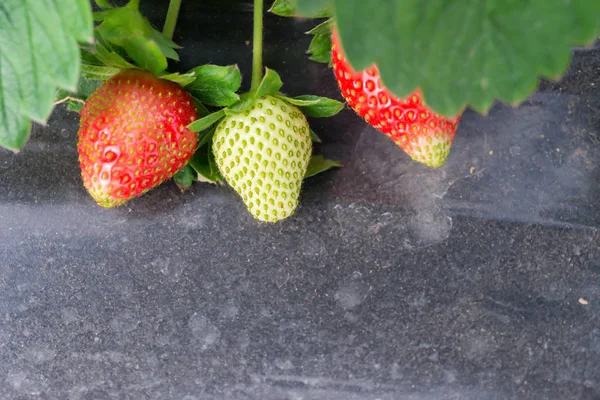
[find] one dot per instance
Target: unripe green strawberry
(263, 154)
(133, 135)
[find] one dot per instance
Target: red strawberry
(133, 135)
(424, 135)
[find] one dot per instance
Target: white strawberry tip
(431, 150)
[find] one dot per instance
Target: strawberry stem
(257, 49)
(171, 20)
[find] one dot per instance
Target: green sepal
(206, 122)
(314, 137)
(103, 54)
(98, 72)
(246, 100)
(182, 80)
(325, 28)
(216, 85)
(185, 177)
(320, 45)
(310, 8)
(270, 84)
(318, 164)
(316, 106)
(297, 102)
(283, 8)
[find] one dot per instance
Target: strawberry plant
(141, 125)
(408, 67)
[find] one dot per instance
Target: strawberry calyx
(267, 92)
(270, 85)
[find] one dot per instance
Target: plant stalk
(171, 21)
(257, 48)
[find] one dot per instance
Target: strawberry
(133, 135)
(424, 135)
(263, 153)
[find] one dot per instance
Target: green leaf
(283, 8)
(167, 46)
(310, 8)
(320, 45)
(465, 51)
(185, 177)
(182, 80)
(110, 58)
(325, 28)
(145, 53)
(246, 100)
(321, 107)
(74, 105)
(38, 53)
(126, 27)
(270, 84)
(320, 48)
(98, 72)
(298, 102)
(318, 164)
(215, 85)
(206, 122)
(314, 137)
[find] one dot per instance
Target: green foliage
(316, 106)
(215, 85)
(318, 164)
(270, 84)
(308, 8)
(38, 53)
(462, 52)
(182, 80)
(320, 46)
(185, 177)
(206, 122)
(314, 137)
(127, 28)
(97, 72)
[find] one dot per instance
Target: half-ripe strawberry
(133, 135)
(263, 153)
(424, 135)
